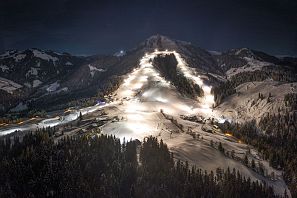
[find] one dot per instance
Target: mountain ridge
(43, 73)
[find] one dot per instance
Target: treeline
(281, 73)
(290, 100)
(276, 139)
(103, 167)
(167, 65)
(229, 87)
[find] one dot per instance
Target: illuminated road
(50, 122)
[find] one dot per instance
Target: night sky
(86, 27)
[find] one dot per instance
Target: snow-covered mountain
(39, 77)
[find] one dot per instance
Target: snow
(246, 105)
(120, 53)
(19, 107)
(36, 83)
(213, 52)
(93, 70)
(19, 57)
(50, 122)
(8, 53)
(238, 51)
(44, 56)
(53, 87)
(32, 72)
(144, 93)
(252, 65)
(155, 40)
(4, 68)
(8, 85)
(68, 63)
(27, 84)
(137, 105)
(64, 89)
(202, 155)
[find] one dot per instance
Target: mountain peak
(160, 42)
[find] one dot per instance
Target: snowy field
(246, 104)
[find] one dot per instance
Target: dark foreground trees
(276, 139)
(103, 167)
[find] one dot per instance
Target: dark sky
(92, 27)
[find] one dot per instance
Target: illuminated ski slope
(145, 93)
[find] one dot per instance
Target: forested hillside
(103, 167)
(167, 65)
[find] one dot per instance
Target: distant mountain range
(33, 76)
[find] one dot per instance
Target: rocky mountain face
(41, 78)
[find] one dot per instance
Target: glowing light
(228, 134)
(137, 86)
(161, 99)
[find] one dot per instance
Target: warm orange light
(67, 110)
(228, 134)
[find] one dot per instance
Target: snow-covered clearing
(93, 70)
(246, 104)
(252, 65)
(32, 72)
(53, 87)
(8, 85)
